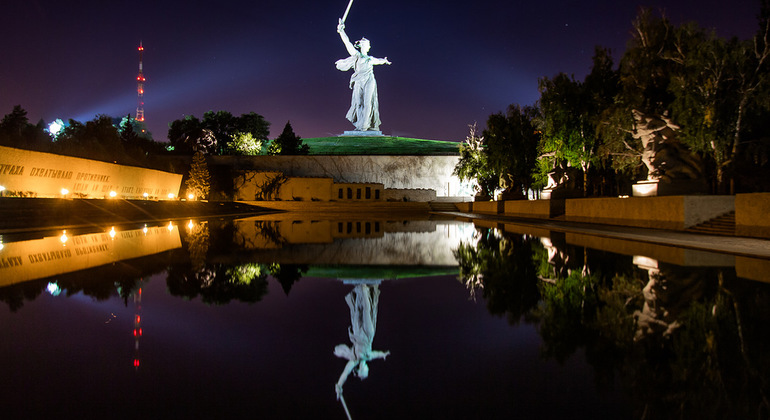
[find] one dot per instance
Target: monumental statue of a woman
(364, 110)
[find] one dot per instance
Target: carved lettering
(50, 173)
(91, 249)
(11, 169)
(82, 176)
(49, 256)
(10, 262)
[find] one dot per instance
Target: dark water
(224, 319)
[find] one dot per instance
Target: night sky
(454, 63)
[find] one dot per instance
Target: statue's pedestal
(657, 187)
(560, 193)
(368, 133)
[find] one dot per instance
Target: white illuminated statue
(362, 300)
(364, 110)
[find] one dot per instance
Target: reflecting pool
(376, 318)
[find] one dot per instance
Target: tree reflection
(218, 284)
(683, 341)
(502, 268)
(287, 274)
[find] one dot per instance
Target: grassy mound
(386, 145)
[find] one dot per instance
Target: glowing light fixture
(2, 188)
(145, 195)
(145, 230)
(190, 225)
(64, 191)
(170, 226)
(171, 195)
(112, 232)
(53, 289)
(63, 238)
(113, 194)
(190, 196)
(55, 128)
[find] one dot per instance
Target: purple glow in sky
(454, 63)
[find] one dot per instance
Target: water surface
(235, 319)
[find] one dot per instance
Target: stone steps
(442, 206)
(721, 225)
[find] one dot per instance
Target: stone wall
(396, 172)
(672, 212)
(65, 253)
(751, 215)
(37, 174)
(539, 209)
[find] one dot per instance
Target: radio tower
(140, 87)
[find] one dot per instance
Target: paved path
(751, 247)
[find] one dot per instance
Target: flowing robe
(364, 110)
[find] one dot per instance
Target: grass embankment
(385, 145)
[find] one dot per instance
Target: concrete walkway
(750, 247)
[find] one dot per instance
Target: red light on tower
(140, 87)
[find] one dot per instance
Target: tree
(13, 124)
(473, 165)
(16, 131)
(288, 143)
(244, 144)
(571, 112)
(198, 182)
(255, 125)
(126, 130)
(215, 131)
(185, 134)
(96, 139)
(222, 125)
(511, 146)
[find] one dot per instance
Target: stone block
(751, 215)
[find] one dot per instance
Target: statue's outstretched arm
(377, 61)
(345, 40)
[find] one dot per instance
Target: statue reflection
(668, 293)
(362, 301)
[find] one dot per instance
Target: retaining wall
(671, 212)
(398, 172)
(38, 174)
(752, 215)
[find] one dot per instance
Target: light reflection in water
(681, 331)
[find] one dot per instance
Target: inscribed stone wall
(40, 174)
(54, 255)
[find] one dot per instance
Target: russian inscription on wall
(35, 174)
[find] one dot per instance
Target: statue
(563, 181)
(363, 301)
(664, 156)
(364, 110)
(672, 169)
